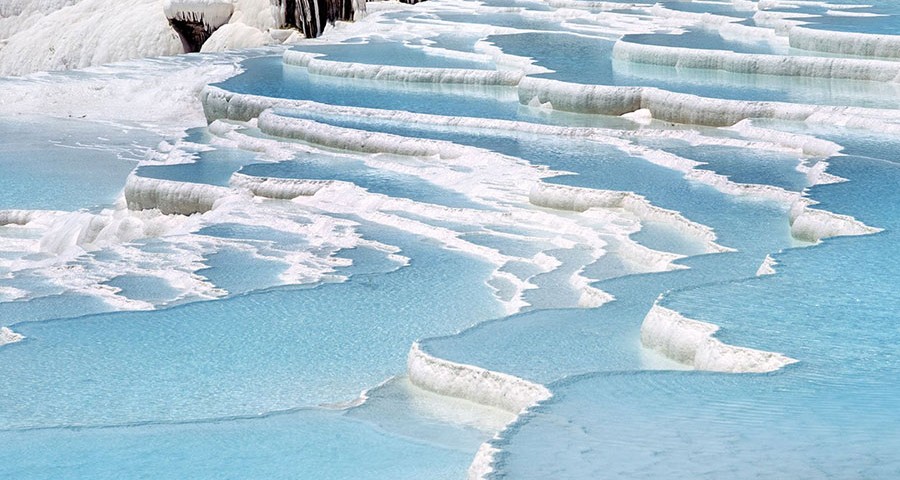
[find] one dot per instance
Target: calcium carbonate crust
(581, 199)
(758, 64)
(363, 71)
(693, 343)
(813, 225)
(846, 43)
(8, 336)
(172, 197)
(277, 188)
(478, 385)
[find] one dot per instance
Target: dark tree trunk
(311, 16)
(192, 34)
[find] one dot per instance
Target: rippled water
(267, 333)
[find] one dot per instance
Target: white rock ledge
(693, 109)
(813, 225)
(478, 385)
(472, 383)
(580, 199)
(393, 73)
(758, 64)
(692, 343)
(172, 197)
(277, 188)
(354, 140)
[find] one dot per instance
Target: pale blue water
(876, 17)
(256, 384)
(146, 288)
(267, 76)
(831, 415)
(65, 164)
(307, 443)
(381, 52)
(213, 167)
(590, 62)
(202, 360)
(742, 165)
(703, 40)
(714, 8)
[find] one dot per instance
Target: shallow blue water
(502, 19)
(380, 52)
(145, 288)
(590, 62)
(870, 17)
(304, 444)
(151, 394)
(213, 167)
(742, 165)
(267, 76)
(831, 415)
(203, 360)
(558, 343)
(65, 164)
(703, 40)
(714, 8)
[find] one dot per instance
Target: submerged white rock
(8, 336)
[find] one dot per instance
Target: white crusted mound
(67, 34)
(812, 225)
(18, 15)
(847, 43)
(234, 36)
(758, 64)
(581, 199)
(251, 25)
(90, 32)
(277, 188)
(693, 343)
(392, 73)
(8, 336)
(171, 197)
(472, 383)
